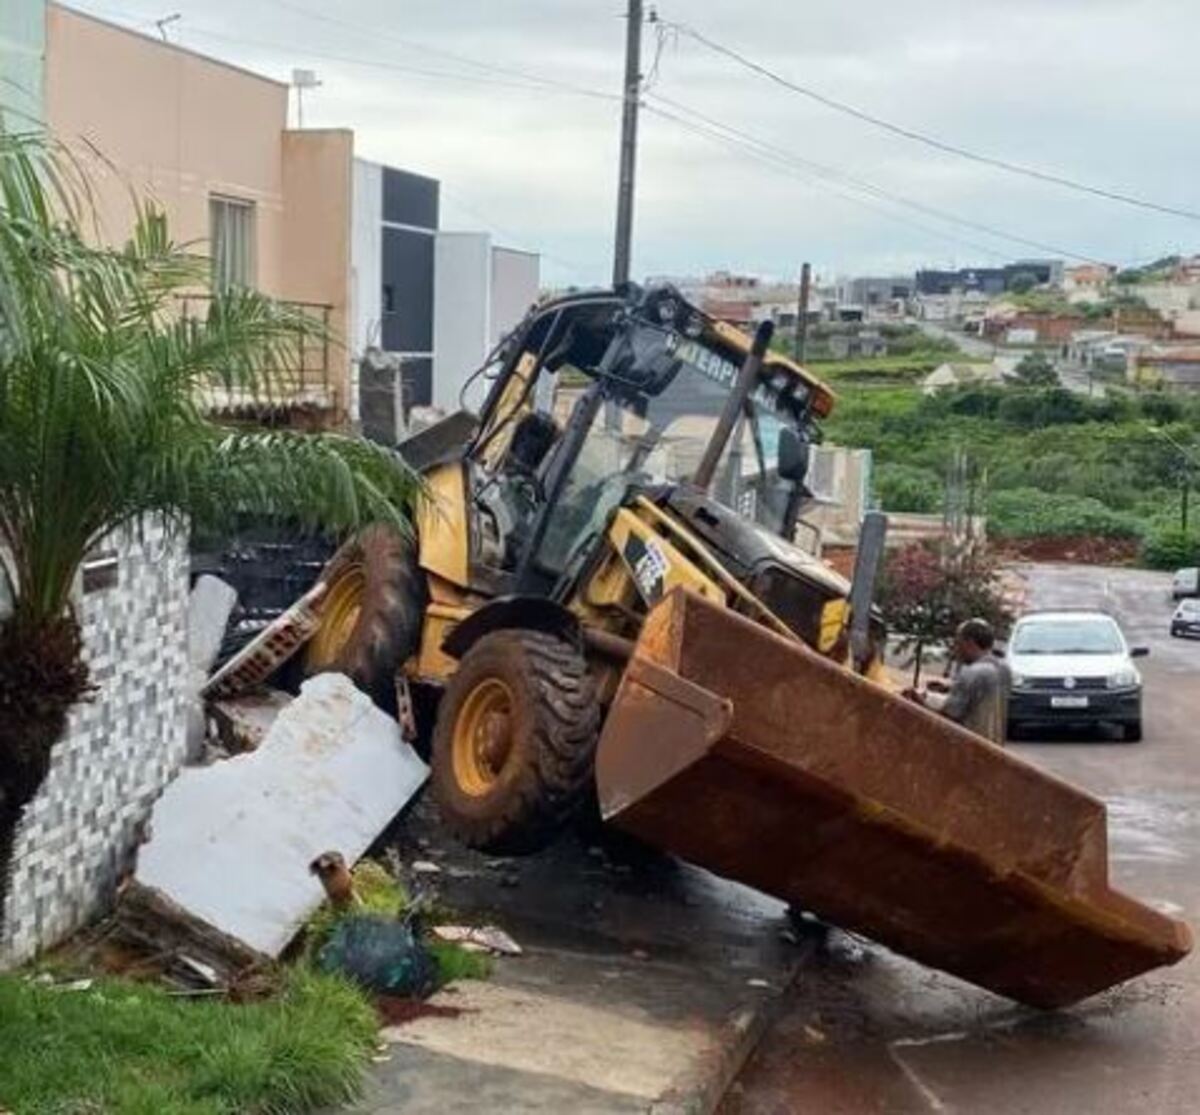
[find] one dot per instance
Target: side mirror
(1138, 652)
(792, 455)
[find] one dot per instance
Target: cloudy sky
(511, 104)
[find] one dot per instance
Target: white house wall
(516, 279)
(461, 314)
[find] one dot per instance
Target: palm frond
(101, 380)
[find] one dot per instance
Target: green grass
(455, 962)
(131, 1049)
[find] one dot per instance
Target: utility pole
(629, 123)
(802, 313)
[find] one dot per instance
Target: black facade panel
(410, 199)
(418, 381)
(407, 291)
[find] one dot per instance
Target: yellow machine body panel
(442, 529)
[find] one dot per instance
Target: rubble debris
(242, 723)
(151, 922)
(270, 649)
(210, 605)
(426, 867)
(231, 843)
(480, 938)
(381, 954)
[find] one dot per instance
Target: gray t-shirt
(978, 698)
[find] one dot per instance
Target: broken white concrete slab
(231, 843)
(210, 605)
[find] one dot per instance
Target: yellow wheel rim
(482, 739)
(339, 614)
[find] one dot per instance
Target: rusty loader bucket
(751, 756)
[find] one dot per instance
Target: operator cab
(603, 396)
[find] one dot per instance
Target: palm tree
(102, 423)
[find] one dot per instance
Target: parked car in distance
(1186, 620)
(1186, 582)
(1073, 668)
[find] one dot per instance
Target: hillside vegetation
(1051, 463)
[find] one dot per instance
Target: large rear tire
(371, 613)
(515, 742)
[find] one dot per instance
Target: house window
(231, 229)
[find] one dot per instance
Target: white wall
(516, 279)
(461, 314)
(366, 267)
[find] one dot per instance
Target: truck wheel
(371, 613)
(515, 741)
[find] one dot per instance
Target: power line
(790, 169)
(526, 81)
(928, 140)
(825, 171)
(375, 33)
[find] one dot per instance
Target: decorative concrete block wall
(119, 750)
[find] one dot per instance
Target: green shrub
(1170, 548)
(1030, 512)
(907, 488)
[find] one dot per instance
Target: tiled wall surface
(118, 752)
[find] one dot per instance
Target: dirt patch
(395, 1011)
(1081, 549)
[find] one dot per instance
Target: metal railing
(306, 381)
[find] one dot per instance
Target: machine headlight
(1124, 679)
(694, 326)
(668, 308)
(1020, 681)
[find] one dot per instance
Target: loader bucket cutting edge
(752, 756)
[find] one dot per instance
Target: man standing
(978, 695)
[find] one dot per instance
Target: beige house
(209, 143)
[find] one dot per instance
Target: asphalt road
(868, 1032)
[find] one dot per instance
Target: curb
(746, 1029)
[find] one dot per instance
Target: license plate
(1068, 702)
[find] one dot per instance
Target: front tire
(515, 742)
(372, 612)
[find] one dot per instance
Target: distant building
(1174, 366)
(879, 296)
(989, 280)
(1089, 277)
(954, 374)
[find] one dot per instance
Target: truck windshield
(1071, 636)
(662, 440)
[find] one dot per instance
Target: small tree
(927, 592)
(1022, 282)
(102, 423)
(1036, 369)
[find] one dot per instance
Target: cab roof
(738, 343)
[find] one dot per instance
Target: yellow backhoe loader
(603, 587)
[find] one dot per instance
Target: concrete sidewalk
(644, 985)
